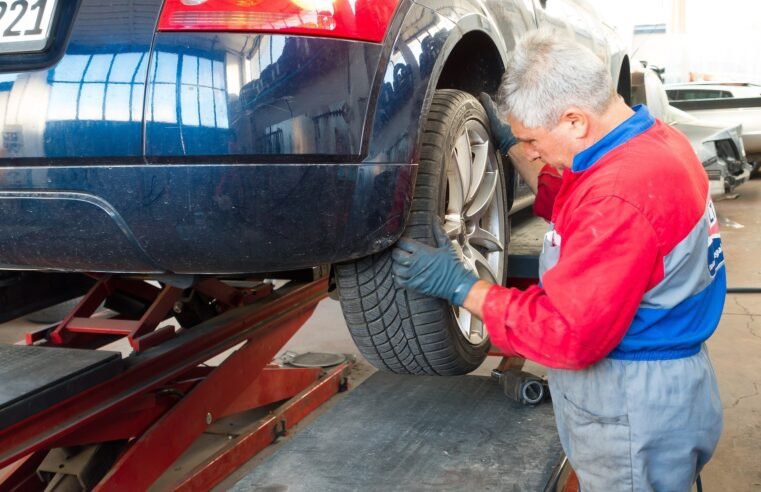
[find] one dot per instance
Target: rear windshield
(691, 94)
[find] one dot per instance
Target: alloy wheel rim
(476, 215)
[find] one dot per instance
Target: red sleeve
(547, 187)
(608, 258)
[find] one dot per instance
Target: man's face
(555, 146)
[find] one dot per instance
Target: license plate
(25, 25)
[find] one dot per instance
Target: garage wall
(704, 37)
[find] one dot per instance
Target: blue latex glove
(435, 271)
(503, 134)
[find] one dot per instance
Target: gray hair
(546, 74)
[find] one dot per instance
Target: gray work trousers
(638, 425)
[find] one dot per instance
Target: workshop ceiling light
(365, 20)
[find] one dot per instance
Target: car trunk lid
(82, 96)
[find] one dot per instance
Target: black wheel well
(474, 65)
(625, 81)
(476, 54)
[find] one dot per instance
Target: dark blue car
(237, 137)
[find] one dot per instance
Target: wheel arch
(458, 68)
(427, 53)
(472, 59)
(428, 50)
(475, 53)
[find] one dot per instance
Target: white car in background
(712, 90)
(718, 145)
(724, 103)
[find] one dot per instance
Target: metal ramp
(402, 433)
(37, 378)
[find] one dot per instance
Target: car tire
(406, 332)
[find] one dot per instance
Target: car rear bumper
(211, 219)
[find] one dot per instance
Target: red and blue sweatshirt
(632, 267)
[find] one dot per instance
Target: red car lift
(133, 417)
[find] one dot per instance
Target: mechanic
(632, 277)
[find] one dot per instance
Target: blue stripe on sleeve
(657, 334)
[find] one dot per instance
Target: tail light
(364, 20)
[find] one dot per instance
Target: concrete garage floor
(734, 349)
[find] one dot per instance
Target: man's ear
(576, 122)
